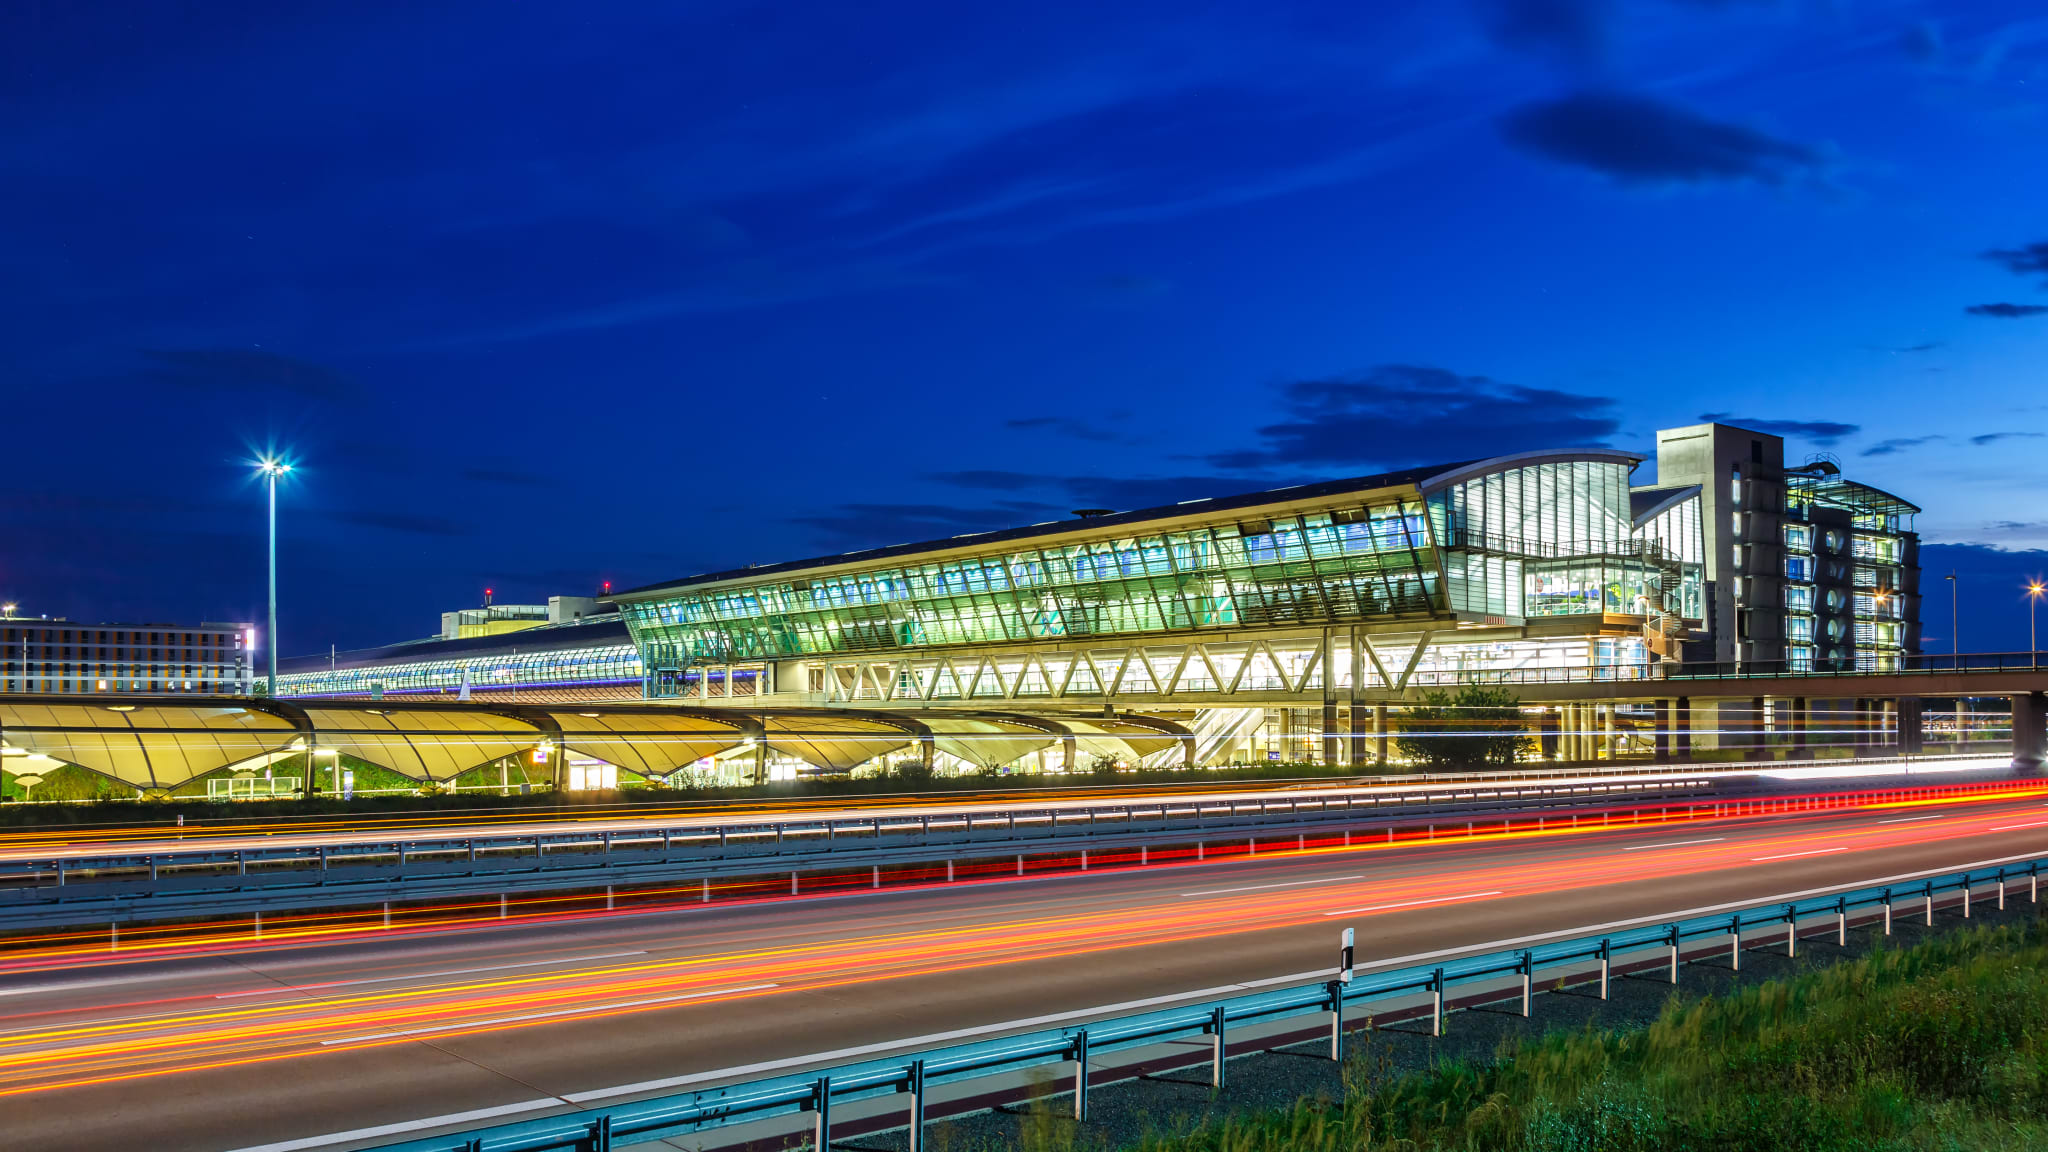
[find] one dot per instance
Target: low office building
(66, 657)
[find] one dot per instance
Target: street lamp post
(272, 469)
(2033, 642)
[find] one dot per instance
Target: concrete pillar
(1681, 725)
(1910, 732)
(1379, 732)
(1662, 722)
(1355, 663)
(1067, 744)
(1546, 733)
(1800, 751)
(2029, 733)
(1609, 748)
(1333, 749)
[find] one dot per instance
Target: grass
(1942, 1046)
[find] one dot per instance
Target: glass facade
(1850, 556)
(1340, 564)
(614, 665)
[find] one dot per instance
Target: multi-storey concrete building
(38, 654)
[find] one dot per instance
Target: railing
(1749, 670)
(1424, 993)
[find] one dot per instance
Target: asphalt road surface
(250, 1043)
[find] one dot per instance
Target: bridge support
(1379, 732)
(2029, 732)
(1800, 750)
(1910, 731)
(1663, 726)
(1681, 727)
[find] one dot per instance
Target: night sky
(540, 295)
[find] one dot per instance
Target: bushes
(1944, 1046)
(1477, 727)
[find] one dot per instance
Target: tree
(1478, 727)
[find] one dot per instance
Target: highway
(247, 1043)
(51, 843)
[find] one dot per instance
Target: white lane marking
(1791, 855)
(423, 975)
(1288, 884)
(1909, 819)
(815, 1059)
(107, 982)
(2010, 827)
(1671, 844)
(464, 1118)
(1411, 903)
(588, 1008)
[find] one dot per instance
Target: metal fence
(1510, 978)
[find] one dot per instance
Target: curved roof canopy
(146, 746)
(838, 743)
(422, 744)
(651, 744)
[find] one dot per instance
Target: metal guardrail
(1753, 670)
(1514, 976)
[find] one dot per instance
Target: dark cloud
(1922, 41)
(504, 476)
(1818, 431)
(857, 526)
(2007, 311)
(1125, 290)
(1120, 493)
(1995, 437)
(1638, 140)
(1400, 414)
(2031, 260)
(1893, 447)
(1063, 425)
(401, 522)
(1573, 32)
(246, 370)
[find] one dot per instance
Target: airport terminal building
(1278, 624)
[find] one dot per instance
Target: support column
(2029, 732)
(1800, 751)
(1681, 724)
(1663, 726)
(1910, 731)
(1608, 746)
(1379, 732)
(1356, 663)
(1333, 749)
(1754, 722)
(1546, 733)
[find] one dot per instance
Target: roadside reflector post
(916, 1089)
(949, 871)
(1966, 895)
(256, 925)
(1791, 930)
(1081, 1075)
(387, 914)
(503, 906)
(1528, 980)
(1335, 989)
(1674, 955)
(876, 880)
(1930, 903)
(2001, 889)
(821, 1101)
(1436, 998)
(113, 937)
(1887, 911)
(1144, 856)
(1218, 1049)
(1842, 921)
(607, 897)
(792, 883)
(1020, 865)
(1606, 966)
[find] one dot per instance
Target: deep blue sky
(545, 294)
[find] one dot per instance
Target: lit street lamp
(2033, 643)
(272, 469)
